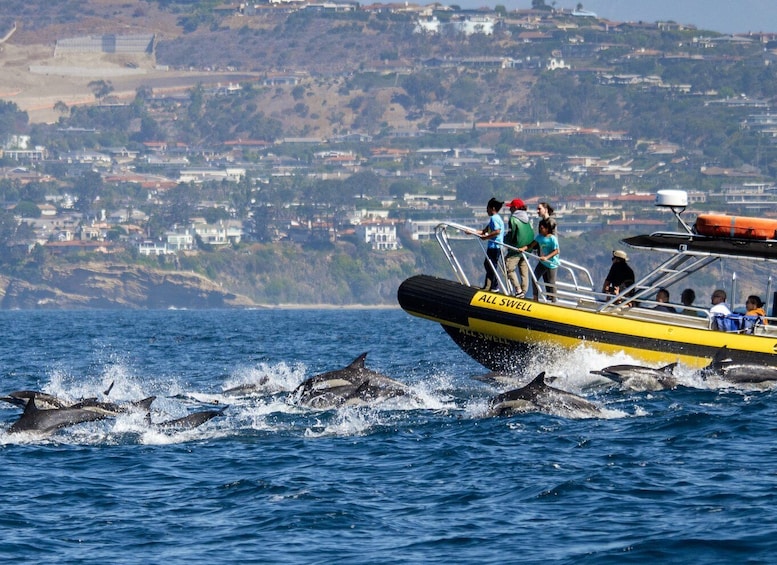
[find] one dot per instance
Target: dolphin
(247, 389)
(47, 420)
(537, 396)
(725, 366)
(46, 401)
(637, 377)
(373, 390)
(351, 385)
(114, 409)
(43, 400)
(498, 379)
(189, 422)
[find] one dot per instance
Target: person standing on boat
(620, 272)
(549, 261)
(544, 210)
(719, 303)
(520, 234)
(494, 232)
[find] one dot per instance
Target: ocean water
(676, 476)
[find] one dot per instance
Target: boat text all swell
(506, 302)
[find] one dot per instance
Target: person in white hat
(620, 273)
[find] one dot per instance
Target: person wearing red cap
(520, 234)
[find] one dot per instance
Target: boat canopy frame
(689, 253)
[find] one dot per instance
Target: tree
(423, 88)
(61, 108)
(100, 88)
(465, 93)
(474, 189)
(87, 188)
(27, 209)
(362, 185)
(12, 120)
(181, 203)
(539, 182)
(150, 130)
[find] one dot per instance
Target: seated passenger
(662, 296)
(755, 307)
(687, 298)
(719, 303)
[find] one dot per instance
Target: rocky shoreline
(99, 286)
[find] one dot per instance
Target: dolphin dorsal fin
(721, 356)
(31, 408)
(668, 368)
(359, 390)
(358, 363)
(144, 404)
(538, 381)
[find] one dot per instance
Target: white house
(381, 236)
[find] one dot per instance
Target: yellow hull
(495, 328)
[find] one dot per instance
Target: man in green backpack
(520, 234)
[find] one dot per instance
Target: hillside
(110, 286)
(459, 116)
(323, 52)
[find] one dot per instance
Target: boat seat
(735, 323)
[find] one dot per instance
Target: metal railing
(573, 282)
(575, 287)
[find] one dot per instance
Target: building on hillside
(468, 26)
(230, 174)
(180, 240)
(85, 157)
(149, 247)
(750, 197)
(382, 236)
(225, 232)
(47, 210)
(108, 43)
(421, 230)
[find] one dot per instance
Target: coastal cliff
(101, 286)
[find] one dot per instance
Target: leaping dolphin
(47, 420)
(351, 385)
(537, 396)
(188, 422)
(725, 365)
(639, 378)
(114, 409)
(44, 401)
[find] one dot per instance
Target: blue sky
(725, 16)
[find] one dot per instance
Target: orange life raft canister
(742, 227)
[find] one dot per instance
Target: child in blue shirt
(547, 266)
